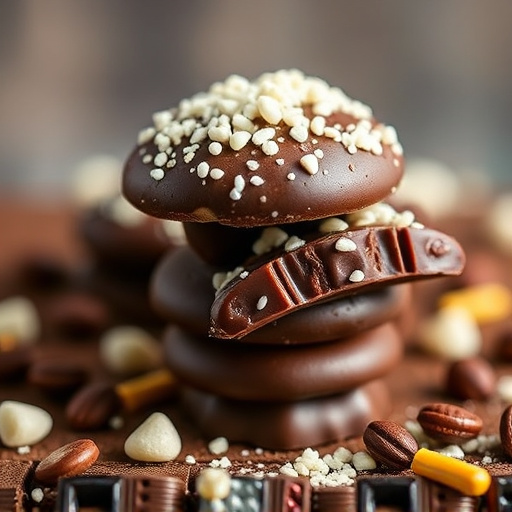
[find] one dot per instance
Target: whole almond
(390, 444)
(93, 406)
(68, 460)
(471, 379)
(449, 423)
(506, 431)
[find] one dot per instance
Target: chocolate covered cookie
(280, 372)
(283, 148)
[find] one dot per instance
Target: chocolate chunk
(318, 271)
(182, 292)
(281, 372)
(289, 425)
(334, 499)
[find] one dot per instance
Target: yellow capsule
(465, 477)
(490, 302)
(147, 389)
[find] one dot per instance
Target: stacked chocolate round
(283, 305)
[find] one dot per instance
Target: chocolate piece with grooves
(182, 292)
(317, 271)
(397, 493)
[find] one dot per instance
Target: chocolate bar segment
(330, 267)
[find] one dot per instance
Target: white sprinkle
(270, 147)
(244, 274)
(235, 195)
(318, 153)
(252, 165)
(147, 158)
(116, 422)
(280, 161)
(190, 459)
(363, 461)
(188, 157)
(157, 174)
(37, 494)
(239, 139)
(160, 159)
(356, 277)
(310, 163)
(262, 302)
(291, 176)
(239, 182)
(218, 445)
(263, 199)
(345, 245)
(294, 242)
(332, 133)
(299, 133)
(332, 224)
(274, 214)
(220, 134)
(262, 135)
(280, 139)
(317, 125)
(215, 148)
(199, 135)
(258, 451)
(171, 163)
(23, 450)
(146, 135)
(216, 173)
(257, 181)
(270, 109)
(245, 453)
(202, 169)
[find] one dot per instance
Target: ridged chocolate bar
(365, 259)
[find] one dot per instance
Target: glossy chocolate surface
(351, 182)
(182, 292)
(280, 372)
(317, 271)
(288, 425)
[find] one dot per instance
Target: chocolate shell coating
(331, 267)
(182, 292)
(280, 372)
(289, 425)
(352, 182)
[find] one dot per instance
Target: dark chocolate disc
(289, 425)
(182, 292)
(253, 372)
(285, 148)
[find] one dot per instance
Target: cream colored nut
(129, 350)
(213, 484)
(451, 334)
(23, 424)
(19, 319)
(504, 388)
(154, 440)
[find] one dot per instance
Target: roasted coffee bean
(78, 316)
(471, 379)
(14, 363)
(57, 377)
(93, 406)
(68, 460)
(390, 444)
(449, 423)
(506, 431)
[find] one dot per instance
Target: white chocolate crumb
(310, 163)
(252, 165)
(262, 302)
(290, 176)
(344, 244)
(190, 459)
(356, 276)
(294, 242)
(157, 174)
(37, 494)
(363, 461)
(218, 445)
(23, 450)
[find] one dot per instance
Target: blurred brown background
(81, 77)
